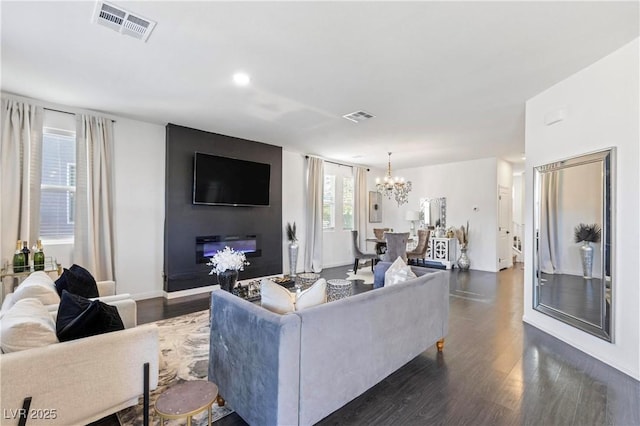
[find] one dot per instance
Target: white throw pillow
(27, 325)
(276, 298)
(314, 295)
(398, 272)
(40, 286)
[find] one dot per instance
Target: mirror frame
(607, 160)
(442, 201)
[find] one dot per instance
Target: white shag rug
(184, 355)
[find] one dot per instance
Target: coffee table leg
(210, 410)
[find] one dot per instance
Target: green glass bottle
(18, 258)
(38, 258)
(26, 251)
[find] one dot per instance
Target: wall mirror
(433, 212)
(573, 280)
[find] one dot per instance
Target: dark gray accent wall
(184, 221)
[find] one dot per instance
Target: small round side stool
(186, 400)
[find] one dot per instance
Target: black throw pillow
(77, 280)
(80, 317)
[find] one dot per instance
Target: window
(58, 185)
(329, 202)
(347, 203)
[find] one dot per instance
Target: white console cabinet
(442, 251)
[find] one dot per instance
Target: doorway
(504, 228)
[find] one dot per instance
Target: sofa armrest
(254, 359)
(127, 308)
(82, 380)
(106, 288)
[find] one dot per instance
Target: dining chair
(420, 252)
(379, 232)
(358, 254)
(396, 246)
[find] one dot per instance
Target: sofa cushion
(77, 280)
(276, 298)
(80, 317)
(314, 295)
(27, 324)
(39, 286)
(398, 272)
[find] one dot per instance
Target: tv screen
(229, 181)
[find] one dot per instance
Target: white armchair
(81, 380)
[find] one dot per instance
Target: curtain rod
(51, 106)
(335, 162)
(71, 113)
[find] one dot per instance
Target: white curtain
(20, 171)
(313, 213)
(549, 226)
(360, 206)
(94, 228)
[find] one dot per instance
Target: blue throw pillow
(77, 280)
(80, 317)
(378, 274)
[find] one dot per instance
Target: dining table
(381, 244)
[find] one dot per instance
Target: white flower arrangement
(227, 259)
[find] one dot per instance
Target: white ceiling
(447, 81)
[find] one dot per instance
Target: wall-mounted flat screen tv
(229, 181)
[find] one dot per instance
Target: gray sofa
(297, 368)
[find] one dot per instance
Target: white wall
(139, 207)
(293, 205)
(518, 198)
(602, 111)
(465, 184)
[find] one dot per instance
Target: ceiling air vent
(122, 21)
(358, 116)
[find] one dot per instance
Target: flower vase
(463, 261)
(586, 255)
(227, 279)
(293, 259)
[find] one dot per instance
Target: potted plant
(462, 235)
(587, 234)
(226, 264)
(293, 248)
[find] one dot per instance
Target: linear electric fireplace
(206, 247)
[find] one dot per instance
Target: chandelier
(395, 187)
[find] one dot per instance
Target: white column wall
(293, 201)
(139, 161)
(602, 106)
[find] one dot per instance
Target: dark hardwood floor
(573, 295)
(495, 370)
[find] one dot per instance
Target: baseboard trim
(147, 295)
(189, 292)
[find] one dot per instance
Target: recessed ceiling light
(241, 79)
